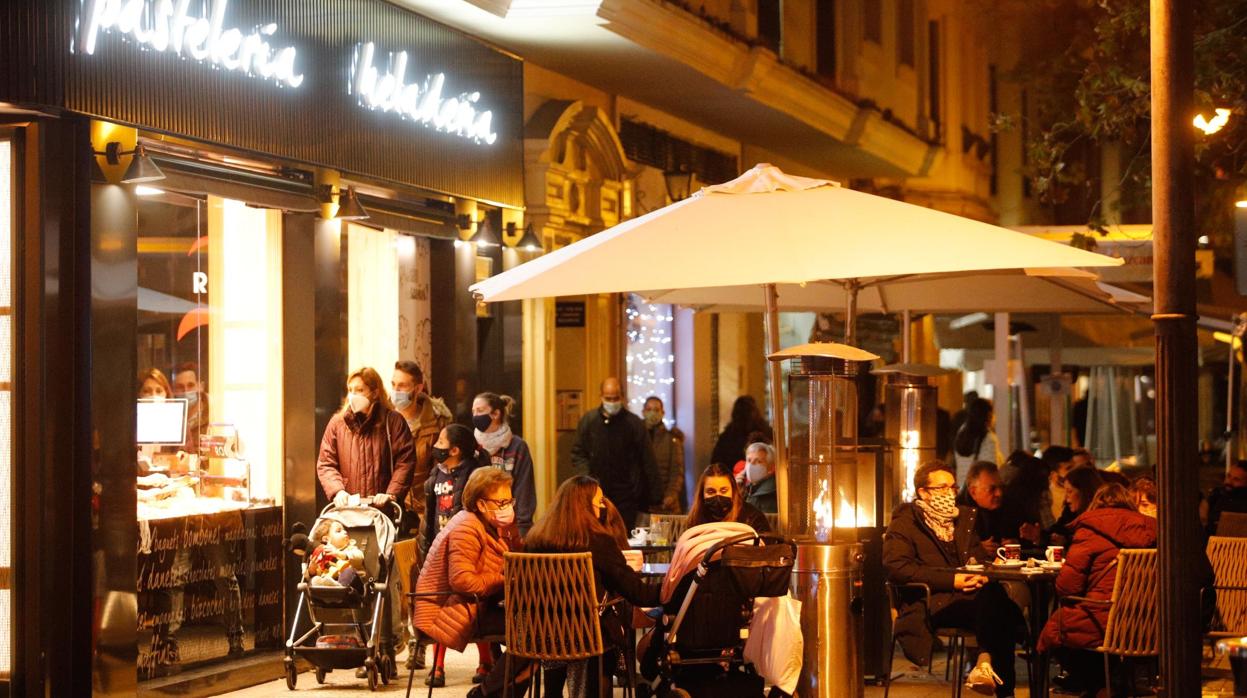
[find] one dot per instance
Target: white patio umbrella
(766, 228)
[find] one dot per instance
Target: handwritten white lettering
(168, 25)
(423, 102)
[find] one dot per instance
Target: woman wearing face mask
(574, 523)
(491, 414)
(367, 448)
(719, 499)
(464, 565)
(760, 478)
(153, 385)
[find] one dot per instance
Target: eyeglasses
(941, 489)
(500, 503)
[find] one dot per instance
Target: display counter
(209, 581)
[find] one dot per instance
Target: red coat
(1090, 570)
(366, 455)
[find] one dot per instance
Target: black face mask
(439, 454)
(717, 506)
(481, 422)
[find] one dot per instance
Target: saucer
(973, 568)
(1009, 563)
(1051, 565)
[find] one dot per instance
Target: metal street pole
(1173, 216)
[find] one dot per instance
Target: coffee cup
(1009, 552)
(640, 534)
(1054, 553)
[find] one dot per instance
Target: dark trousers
(994, 618)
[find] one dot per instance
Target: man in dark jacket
(666, 492)
(925, 543)
(1230, 496)
(994, 525)
(613, 446)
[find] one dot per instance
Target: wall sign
(569, 314)
(169, 25)
(421, 102)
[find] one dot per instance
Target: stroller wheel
(371, 668)
(383, 669)
(292, 675)
(320, 675)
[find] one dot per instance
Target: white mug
(640, 533)
(1009, 552)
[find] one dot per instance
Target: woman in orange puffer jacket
(460, 584)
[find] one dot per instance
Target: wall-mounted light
(530, 242)
(463, 221)
(349, 208)
(141, 169)
(485, 236)
(679, 183)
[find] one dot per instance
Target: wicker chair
(956, 639)
(552, 610)
(1232, 524)
(1132, 611)
(1229, 565)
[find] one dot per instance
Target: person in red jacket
(1109, 524)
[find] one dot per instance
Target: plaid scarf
(940, 514)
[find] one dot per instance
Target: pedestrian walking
(491, 419)
(612, 446)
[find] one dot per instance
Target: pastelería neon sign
(422, 102)
(170, 26)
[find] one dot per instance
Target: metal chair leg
(887, 677)
(1108, 677)
(411, 678)
(506, 676)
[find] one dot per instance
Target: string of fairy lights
(651, 362)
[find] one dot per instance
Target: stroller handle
(392, 509)
(756, 537)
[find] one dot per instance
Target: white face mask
(504, 516)
(612, 408)
(402, 399)
(359, 403)
(755, 472)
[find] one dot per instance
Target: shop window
(372, 298)
(872, 21)
(825, 37)
(650, 354)
(905, 20)
(209, 429)
(6, 407)
(415, 310)
(769, 23)
(933, 75)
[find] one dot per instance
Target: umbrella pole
(905, 340)
(771, 318)
(851, 288)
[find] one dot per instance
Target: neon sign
(422, 102)
(169, 26)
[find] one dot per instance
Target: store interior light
(1241, 204)
(350, 209)
(1216, 123)
(144, 190)
(141, 169)
(485, 236)
(529, 9)
(530, 241)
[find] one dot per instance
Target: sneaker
(436, 678)
(982, 679)
(481, 673)
(415, 655)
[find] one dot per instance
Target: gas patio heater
(910, 403)
(826, 505)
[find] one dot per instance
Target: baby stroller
(346, 620)
(697, 647)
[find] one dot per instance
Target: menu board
(209, 586)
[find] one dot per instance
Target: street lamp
(679, 183)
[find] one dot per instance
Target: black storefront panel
(356, 85)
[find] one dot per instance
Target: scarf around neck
(940, 515)
(493, 441)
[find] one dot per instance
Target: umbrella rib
(1057, 281)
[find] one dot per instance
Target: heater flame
(910, 441)
(828, 517)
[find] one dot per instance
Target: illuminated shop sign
(170, 26)
(422, 102)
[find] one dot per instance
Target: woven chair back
(1132, 619)
(1229, 567)
(551, 606)
(1232, 524)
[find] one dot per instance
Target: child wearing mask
(454, 460)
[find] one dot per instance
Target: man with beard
(1230, 496)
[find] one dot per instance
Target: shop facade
(217, 209)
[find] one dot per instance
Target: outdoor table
(1041, 583)
(650, 550)
(655, 569)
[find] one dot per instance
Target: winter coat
(988, 449)
(517, 460)
(367, 454)
(763, 496)
(912, 553)
(668, 482)
(432, 416)
(431, 527)
(1090, 570)
(616, 450)
(465, 561)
